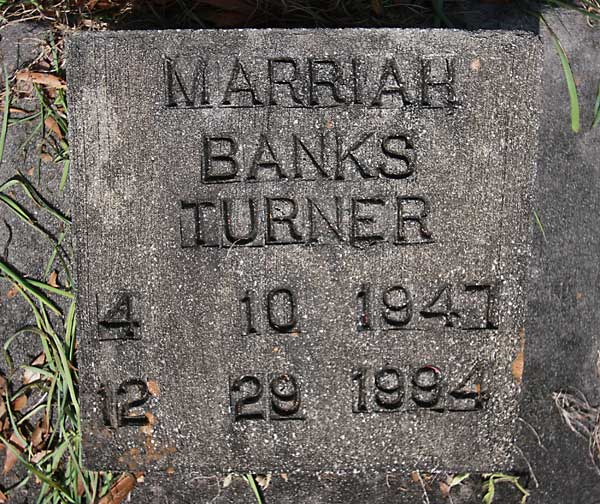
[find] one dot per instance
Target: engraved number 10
(279, 307)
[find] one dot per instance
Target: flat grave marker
(302, 250)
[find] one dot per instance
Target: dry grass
(582, 418)
(97, 14)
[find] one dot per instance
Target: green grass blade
(27, 286)
(23, 214)
(571, 86)
(65, 175)
(53, 290)
(70, 325)
(12, 419)
(5, 113)
(573, 6)
(50, 261)
(73, 459)
(490, 491)
(251, 481)
(439, 16)
(539, 224)
(597, 109)
(34, 470)
(32, 192)
(66, 374)
(458, 479)
(17, 209)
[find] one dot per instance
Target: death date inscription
(259, 396)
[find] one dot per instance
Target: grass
(6, 113)
(57, 402)
(252, 483)
(491, 480)
(44, 434)
(596, 118)
(568, 73)
(540, 226)
(581, 417)
(44, 431)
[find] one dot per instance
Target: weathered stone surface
(384, 281)
(20, 44)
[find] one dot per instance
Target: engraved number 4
(441, 306)
(119, 319)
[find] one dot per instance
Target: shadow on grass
(165, 14)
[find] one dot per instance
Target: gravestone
(302, 250)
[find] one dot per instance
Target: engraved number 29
(277, 399)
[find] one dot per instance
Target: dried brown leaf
(3, 498)
(153, 388)
(53, 126)
(45, 79)
(40, 433)
(119, 490)
(20, 403)
(444, 489)
(94, 24)
(377, 6)
(3, 385)
(10, 458)
(32, 375)
(101, 4)
(80, 486)
(12, 292)
(37, 437)
(149, 427)
(53, 279)
(38, 456)
(519, 363)
(40, 360)
(264, 480)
